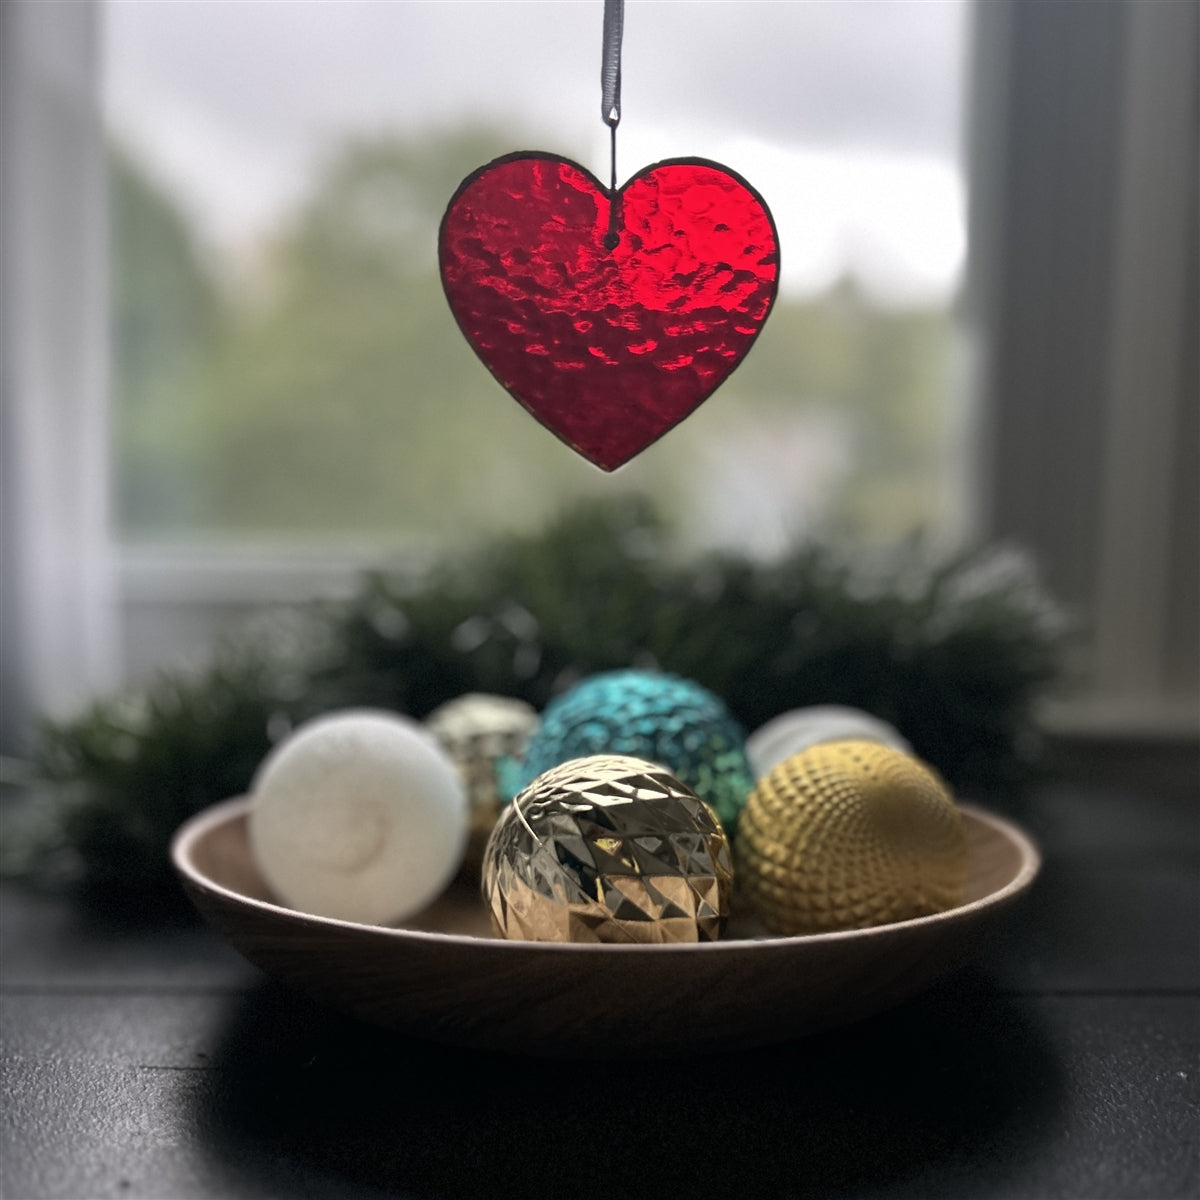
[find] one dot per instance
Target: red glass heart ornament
(609, 316)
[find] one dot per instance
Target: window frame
(1083, 303)
(59, 642)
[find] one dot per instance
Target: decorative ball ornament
(654, 716)
(608, 849)
(481, 733)
(846, 835)
(358, 815)
(796, 730)
(608, 314)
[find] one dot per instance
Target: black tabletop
(148, 1060)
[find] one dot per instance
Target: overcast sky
(845, 114)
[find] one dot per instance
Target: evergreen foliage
(952, 654)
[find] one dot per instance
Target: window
(1082, 297)
(287, 369)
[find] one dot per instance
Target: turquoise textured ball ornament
(653, 716)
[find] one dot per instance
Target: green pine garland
(953, 655)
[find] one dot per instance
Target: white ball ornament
(797, 730)
(359, 815)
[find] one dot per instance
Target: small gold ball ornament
(608, 848)
(479, 732)
(849, 834)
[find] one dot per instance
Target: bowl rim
(199, 825)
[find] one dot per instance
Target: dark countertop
(1065, 1062)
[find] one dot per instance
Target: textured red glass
(608, 347)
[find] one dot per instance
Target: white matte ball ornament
(359, 815)
(796, 730)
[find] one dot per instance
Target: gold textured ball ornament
(849, 834)
(608, 848)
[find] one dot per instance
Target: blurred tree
(881, 376)
(345, 401)
(352, 403)
(166, 321)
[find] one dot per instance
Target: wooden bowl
(443, 976)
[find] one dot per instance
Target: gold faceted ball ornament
(849, 834)
(608, 848)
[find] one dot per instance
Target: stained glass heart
(609, 316)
